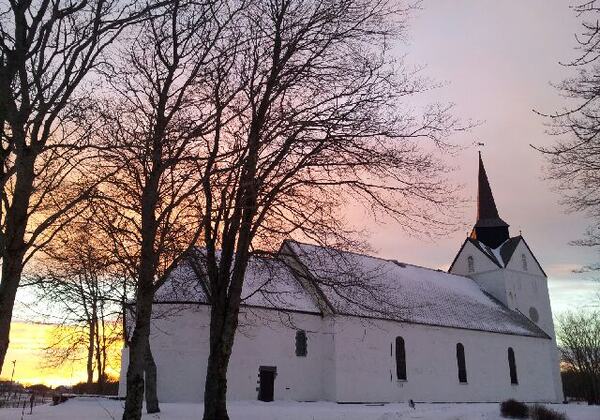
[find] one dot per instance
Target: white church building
(323, 324)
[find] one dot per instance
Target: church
(322, 324)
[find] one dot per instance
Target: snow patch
(103, 409)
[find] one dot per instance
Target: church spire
(486, 206)
(489, 228)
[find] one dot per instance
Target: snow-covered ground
(101, 409)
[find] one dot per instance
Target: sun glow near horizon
(27, 347)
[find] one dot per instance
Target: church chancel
(323, 324)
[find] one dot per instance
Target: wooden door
(266, 376)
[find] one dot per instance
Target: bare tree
(579, 337)
(574, 159)
(154, 125)
(76, 279)
(47, 50)
(323, 124)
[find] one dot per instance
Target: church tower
(506, 268)
(502, 265)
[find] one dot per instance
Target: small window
(524, 261)
(470, 264)
(462, 366)
(512, 366)
(301, 343)
(533, 314)
(400, 359)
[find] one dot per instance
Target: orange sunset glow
(27, 344)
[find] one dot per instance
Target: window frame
(470, 264)
(461, 363)
(400, 356)
(512, 367)
(301, 341)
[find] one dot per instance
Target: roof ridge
(392, 260)
(337, 249)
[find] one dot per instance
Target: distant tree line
(578, 334)
(80, 290)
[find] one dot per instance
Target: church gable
(522, 259)
(473, 258)
(287, 254)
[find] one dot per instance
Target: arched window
(462, 366)
(524, 261)
(400, 359)
(470, 264)
(512, 366)
(301, 343)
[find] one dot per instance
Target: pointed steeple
(489, 228)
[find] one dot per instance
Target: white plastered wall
(366, 368)
(518, 289)
(529, 288)
(357, 365)
(265, 338)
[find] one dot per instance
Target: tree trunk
(99, 364)
(90, 355)
(11, 275)
(151, 379)
(595, 389)
(125, 326)
(226, 302)
(14, 247)
(103, 341)
(137, 353)
(222, 334)
(144, 298)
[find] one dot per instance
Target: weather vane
(479, 145)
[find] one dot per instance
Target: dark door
(266, 377)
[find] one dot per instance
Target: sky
(496, 61)
(28, 342)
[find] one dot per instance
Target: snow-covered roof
(355, 285)
(361, 285)
(182, 285)
(268, 283)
